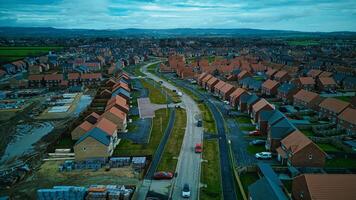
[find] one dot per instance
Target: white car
(263, 155)
(186, 191)
(226, 102)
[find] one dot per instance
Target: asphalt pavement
(189, 163)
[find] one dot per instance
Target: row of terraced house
(98, 135)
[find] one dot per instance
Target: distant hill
(181, 32)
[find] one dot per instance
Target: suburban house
(53, 80)
(243, 74)
(96, 143)
(105, 93)
(80, 130)
(201, 77)
(347, 121)
(324, 186)
(349, 83)
(270, 73)
(282, 76)
(314, 73)
(35, 80)
(110, 83)
(92, 118)
(267, 119)
(326, 83)
(298, 150)
(269, 87)
(204, 82)
(218, 86)
(226, 90)
(73, 79)
(250, 102)
(121, 92)
(116, 116)
(277, 132)
(286, 92)
(331, 108)
(259, 106)
(109, 128)
(325, 74)
(119, 102)
(91, 79)
(306, 99)
(268, 187)
(306, 83)
(211, 84)
(235, 96)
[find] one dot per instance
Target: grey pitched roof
(275, 117)
(350, 80)
(265, 189)
(121, 91)
(266, 114)
(281, 129)
(252, 99)
(244, 97)
(97, 134)
(268, 172)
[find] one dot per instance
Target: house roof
(207, 78)
(326, 74)
(265, 189)
(261, 104)
(97, 134)
(117, 100)
(334, 105)
(212, 80)
(73, 76)
(91, 76)
(280, 74)
(268, 172)
(271, 116)
(349, 115)
(270, 84)
(327, 81)
(35, 77)
(219, 85)
(226, 88)
(306, 96)
(307, 80)
(314, 72)
(237, 93)
(86, 126)
(118, 113)
(121, 91)
(252, 99)
(295, 141)
(281, 129)
(106, 125)
(271, 72)
(330, 186)
(242, 73)
(202, 75)
(55, 77)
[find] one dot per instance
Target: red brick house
(298, 150)
(35, 80)
(92, 118)
(306, 83)
(270, 73)
(235, 96)
(204, 81)
(314, 73)
(243, 74)
(119, 102)
(326, 83)
(324, 186)
(164, 68)
(226, 90)
(211, 84)
(201, 77)
(91, 79)
(282, 76)
(347, 120)
(73, 79)
(53, 80)
(286, 91)
(326, 74)
(259, 106)
(218, 86)
(306, 99)
(331, 108)
(269, 87)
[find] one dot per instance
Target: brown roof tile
(307, 80)
(306, 96)
(270, 84)
(349, 115)
(260, 104)
(327, 81)
(334, 105)
(106, 125)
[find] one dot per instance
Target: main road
(189, 162)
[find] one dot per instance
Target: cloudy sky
(302, 15)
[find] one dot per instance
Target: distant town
(215, 115)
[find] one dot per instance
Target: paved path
(147, 109)
(189, 163)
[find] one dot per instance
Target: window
(84, 148)
(310, 156)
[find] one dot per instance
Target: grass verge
(154, 93)
(210, 172)
(208, 120)
(159, 124)
(173, 146)
(247, 179)
(341, 162)
(243, 120)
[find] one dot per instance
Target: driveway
(147, 109)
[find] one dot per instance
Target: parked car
(162, 175)
(198, 148)
(226, 102)
(186, 191)
(180, 94)
(254, 133)
(199, 123)
(257, 142)
(263, 155)
(161, 82)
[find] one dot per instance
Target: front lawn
(247, 179)
(210, 171)
(328, 147)
(247, 128)
(128, 148)
(243, 120)
(173, 146)
(253, 149)
(341, 163)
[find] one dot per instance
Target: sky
(299, 15)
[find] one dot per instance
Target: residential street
(189, 163)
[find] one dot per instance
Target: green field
(210, 172)
(303, 42)
(341, 163)
(8, 54)
(128, 148)
(169, 160)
